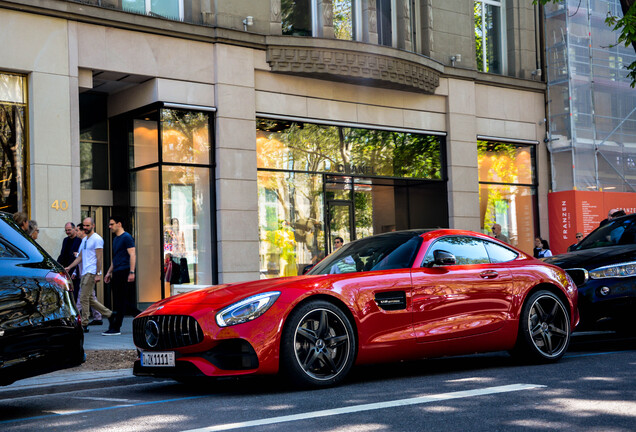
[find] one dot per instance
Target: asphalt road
(591, 389)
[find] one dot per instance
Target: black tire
(544, 328)
(318, 345)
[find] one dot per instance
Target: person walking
(90, 255)
(68, 253)
(77, 274)
(121, 274)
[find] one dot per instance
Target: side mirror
(444, 258)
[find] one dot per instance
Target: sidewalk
(68, 380)
(93, 340)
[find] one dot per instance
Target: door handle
(489, 274)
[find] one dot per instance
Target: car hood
(590, 259)
(222, 295)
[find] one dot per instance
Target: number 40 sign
(60, 205)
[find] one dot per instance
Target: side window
(499, 254)
(6, 251)
(401, 257)
(467, 250)
(629, 236)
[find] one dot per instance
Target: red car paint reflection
(394, 296)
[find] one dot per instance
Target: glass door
(173, 201)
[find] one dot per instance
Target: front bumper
(609, 311)
(228, 357)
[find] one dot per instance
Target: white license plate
(158, 359)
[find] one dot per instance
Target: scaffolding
(591, 106)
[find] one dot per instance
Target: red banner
(581, 211)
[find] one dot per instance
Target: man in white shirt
(90, 255)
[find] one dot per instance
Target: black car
(604, 270)
(40, 329)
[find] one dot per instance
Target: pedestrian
(121, 274)
(76, 276)
(97, 317)
(573, 247)
(22, 220)
(90, 255)
(70, 247)
(542, 248)
(496, 233)
(68, 253)
(33, 231)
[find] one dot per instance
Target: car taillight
(60, 279)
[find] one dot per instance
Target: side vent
(391, 300)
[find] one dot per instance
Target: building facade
(242, 137)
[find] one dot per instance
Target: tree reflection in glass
(334, 149)
(13, 179)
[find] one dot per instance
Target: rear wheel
(544, 328)
(318, 345)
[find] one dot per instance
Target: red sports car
(401, 295)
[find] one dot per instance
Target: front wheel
(318, 345)
(544, 328)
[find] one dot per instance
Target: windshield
(383, 252)
(617, 232)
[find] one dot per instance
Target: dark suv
(40, 329)
(604, 270)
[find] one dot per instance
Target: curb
(62, 382)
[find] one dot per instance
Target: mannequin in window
(174, 240)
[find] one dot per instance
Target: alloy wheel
(548, 326)
(322, 344)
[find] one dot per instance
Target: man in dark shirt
(70, 249)
(121, 273)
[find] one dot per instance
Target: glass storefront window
(176, 214)
(319, 182)
(291, 227)
(342, 150)
(507, 191)
(93, 141)
(185, 137)
(145, 145)
(186, 222)
(144, 198)
(14, 190)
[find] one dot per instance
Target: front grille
(174, 331)
(578, 275)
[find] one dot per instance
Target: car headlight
(614, 271)
(247, 309)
